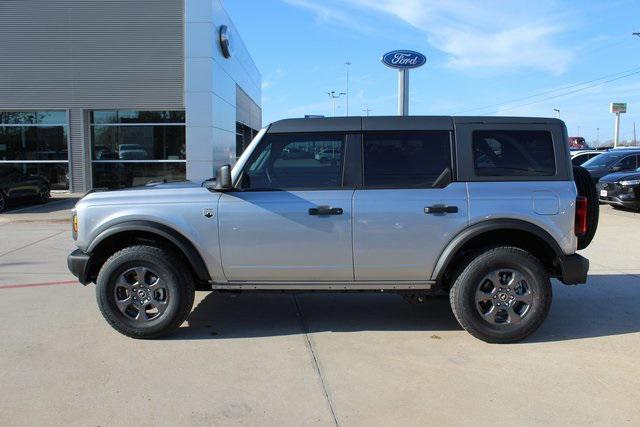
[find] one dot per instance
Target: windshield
(604, 160)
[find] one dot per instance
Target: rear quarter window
(503, 153)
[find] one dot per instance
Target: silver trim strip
(336, 286)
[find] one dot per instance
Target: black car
(621, 189)
(18, 186)
(612, 161)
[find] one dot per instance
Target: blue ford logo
(404, 59)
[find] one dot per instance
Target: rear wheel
(502, 295)
(144, 291)
(3, 201)
(586, 188)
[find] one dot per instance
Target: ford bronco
(484, 209)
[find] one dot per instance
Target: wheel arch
(121, 235)
(509, 232)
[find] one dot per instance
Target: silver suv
(483, 209)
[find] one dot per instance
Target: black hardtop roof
(391, 123)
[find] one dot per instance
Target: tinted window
(607, 159)
(513, 153)
(627, 164)
(405, 160)
(288, 162)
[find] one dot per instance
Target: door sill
(324, 286)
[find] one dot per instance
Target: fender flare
(458, 241)
(175, 237)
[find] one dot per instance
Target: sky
(484, 57)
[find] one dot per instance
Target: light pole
(367, 111)
(348, 64)
(557, 110)
(598, 135)
(333, 95)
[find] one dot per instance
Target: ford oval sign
(404, 59)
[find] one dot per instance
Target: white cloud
(476, 35)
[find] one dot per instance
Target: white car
(578, 157)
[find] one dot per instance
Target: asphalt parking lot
(320, 359)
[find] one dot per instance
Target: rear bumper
(573, 269)
(78, 263)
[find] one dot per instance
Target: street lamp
(333, 96)
(557, 110)
(348, 64)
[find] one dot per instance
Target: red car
(577, 142)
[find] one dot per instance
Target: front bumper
(78, 263)
(573, 269)
(616, 194)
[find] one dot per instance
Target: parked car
(132, 152)
(615, 160)
(577, 142)
(18, 186)
(621, 189)
(578, 157)
(397, 212)
(327, 155)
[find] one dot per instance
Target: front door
(408, 208)
(290, 218)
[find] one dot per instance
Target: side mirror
(616, 169)
(223, 178)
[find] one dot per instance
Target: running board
(322, 286)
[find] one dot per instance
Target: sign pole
(403, 92)
(403, 61)
(616, 136)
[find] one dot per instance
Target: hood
(152, 193)
(620, 176)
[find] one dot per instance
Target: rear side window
(405, 160)
(513, 153)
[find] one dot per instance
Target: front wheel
(502, 295)
(44, 194)
(144, 292)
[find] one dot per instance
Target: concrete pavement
(312, 359)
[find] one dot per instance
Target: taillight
(581, 216)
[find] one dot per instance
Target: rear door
(407, 209)
(290, 218)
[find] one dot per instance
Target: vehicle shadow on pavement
(225, 316)
(607, 305)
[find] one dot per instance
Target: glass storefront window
(56, 173)
(36, 142)
(130, 147)
(134, 116)
(116, 175)
(138, 142)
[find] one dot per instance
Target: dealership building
(118, 93)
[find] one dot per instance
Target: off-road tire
(586, 188)
(463, 293)
(169, 268)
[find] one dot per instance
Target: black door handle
(440, 209)
(325, 210)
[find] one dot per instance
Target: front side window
(405, 160)
(513, 153)
(290, 162)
